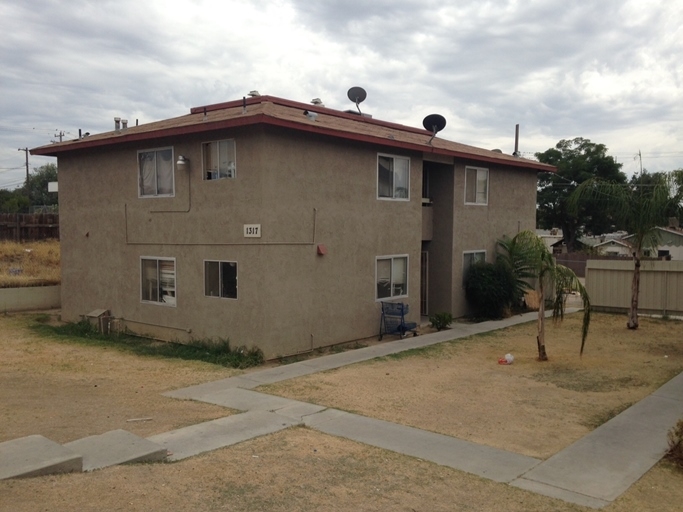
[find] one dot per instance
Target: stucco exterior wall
(511, 208)
(304, 190)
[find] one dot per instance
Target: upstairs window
(476, 185)
(155, 172)
(219, 159)
(220, 279)
(393, 177)
(392, 276)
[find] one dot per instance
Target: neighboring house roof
(274, 111)
(612, 243)
(668, 236)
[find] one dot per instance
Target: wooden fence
(577, 260)
(661, 286)
(24, 227)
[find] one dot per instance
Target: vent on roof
(317, 102)
(356, 113)
(497, 150)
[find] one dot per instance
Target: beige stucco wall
(27, 298)
(460, 227)
(289, 298)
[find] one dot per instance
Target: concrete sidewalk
(592, 472)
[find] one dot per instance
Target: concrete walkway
(593, 471)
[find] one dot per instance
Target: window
(219, 159)
(220, 279)
(476, 185)
(392, 276)
(158, 280)
(155, 169)
(470, 258)
(393, 177)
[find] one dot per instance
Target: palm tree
(528, 258)
(641, 206)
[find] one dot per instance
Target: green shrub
(441, 321)
(675, 452)
(490, 289)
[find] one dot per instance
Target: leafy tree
(577, 161)
(13, 201)
(648, 180)
(642, 205)
(529, 257)
(37, 185)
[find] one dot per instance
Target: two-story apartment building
(278, 224)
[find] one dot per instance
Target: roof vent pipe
(124, 124)
(317, 102)
(516, 153)
(117, 124)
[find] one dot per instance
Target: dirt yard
(66, 391)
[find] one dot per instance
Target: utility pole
(28, 189)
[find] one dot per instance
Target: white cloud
(609, 71)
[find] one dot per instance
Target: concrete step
(116, 447)
(36, 456)
(211, 435)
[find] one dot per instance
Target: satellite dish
(357, 95)
(434, 123)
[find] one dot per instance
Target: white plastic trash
(509, 358)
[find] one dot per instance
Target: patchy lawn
(529, 407)
(66, 391)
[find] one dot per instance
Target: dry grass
(29, 264)
(67, 390)
(533, 408)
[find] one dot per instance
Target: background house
(614, 247)
(670, 244)
(278, 224)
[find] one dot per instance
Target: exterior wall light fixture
(183, 164)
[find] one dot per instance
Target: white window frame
(479, 170)
(215, 174)
(220, 273)
(391, 258)
(140, 188)
(464, 257)
(160, 300)
(394, 196)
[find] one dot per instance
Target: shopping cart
(393, 320)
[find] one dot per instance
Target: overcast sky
(607, 70)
